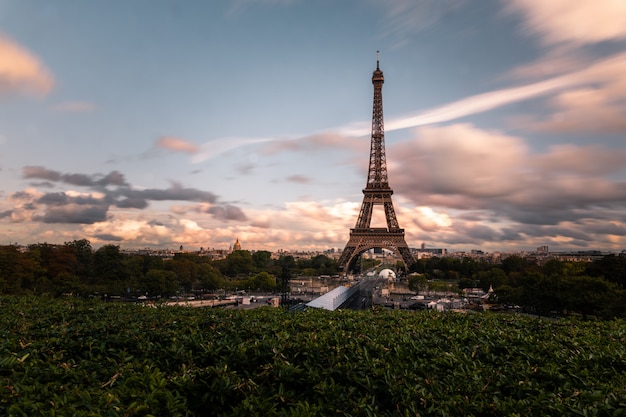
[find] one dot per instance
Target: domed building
(387, 274)
(237, 245)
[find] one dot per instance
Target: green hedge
(74, 358)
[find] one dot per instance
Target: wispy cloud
(299, 179)
(596, 100)
(21, 71)
(216, 147)
(461, 167)
(476, 187)
(177, 145)
(84, 180)
(404, 18)
(74, 107)
(602, 72)
(572, 22)
(239, 6)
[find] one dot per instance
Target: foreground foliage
(71, 357)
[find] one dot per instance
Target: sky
(160, 124)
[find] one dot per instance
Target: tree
(152, 262)
(507, 294)
(38, 254)
(17, 271)
(466, 283)
(133, 265)
(67, 283)
(515, 263)
(84, 257)
(158, 282)
(494, 278)
(553, 267)
(186, 272)
(324, 265)
(238, 262)
(469, 267)
(587, 295)
(452, 275)
(611, 267)
(287, 262)
(209, 277)
(263, 281)
(547, 293)
(262, 260)
(418, 266)
(110, 274)
(417, 282)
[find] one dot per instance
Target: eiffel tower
(377, 192)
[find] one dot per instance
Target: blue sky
(162, 123)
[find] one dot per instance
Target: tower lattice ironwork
(377, 192)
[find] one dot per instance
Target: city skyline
(161, 124)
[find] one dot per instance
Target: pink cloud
(177, 145)
(74, 107)
(460, 167)
(21, 71)
(576, 22)
(316, 142)
(299, 179)
(584, 160)
(596, 103)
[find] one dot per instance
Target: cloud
(299, 179)
(462, 168)
(314, 143)
(133, 202)
(177, 145)
(66, 198)
(176, 192)
(219, 146)
(556, 61)
(573, 22)
(590, 98)
(239, 6)
(104, 193)
(41, 173)
(606, 75)
(137, 229)
(227, 212)
(597, 104)
(341, 138)
(74, 107)
(83, 180)
(595, 99)
(589, 160)
(246, 168)
(484, 102)
(458, 160)
(107, 237)
(427, 219)
(74, 213)
(21, 71)
(404, 18)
